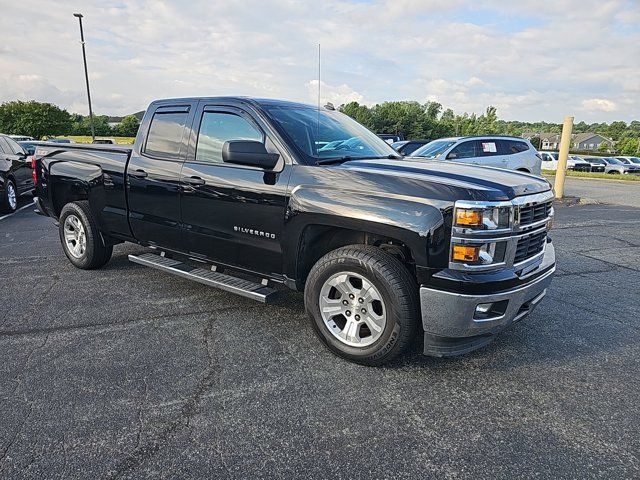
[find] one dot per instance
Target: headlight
(490, 218)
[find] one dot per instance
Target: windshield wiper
(347, 158)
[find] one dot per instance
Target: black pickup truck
(243, 194)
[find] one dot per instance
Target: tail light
(33, 170)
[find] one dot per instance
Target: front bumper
(453, 327)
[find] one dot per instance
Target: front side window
(217, 128)
(165, 134)
(326, 134)
(464, 150)
(434, 149)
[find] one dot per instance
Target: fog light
(465, 253)
(484, 308)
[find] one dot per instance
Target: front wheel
(81, 240)
(363, 304)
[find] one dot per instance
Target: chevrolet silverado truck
(245, 194)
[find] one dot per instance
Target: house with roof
(590, 141)
(579, 141)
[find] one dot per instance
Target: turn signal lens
(468, 217)
(464, 253)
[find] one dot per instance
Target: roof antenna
(318, 120)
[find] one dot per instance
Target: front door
(233, 214)
(153, 175)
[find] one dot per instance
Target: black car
(386, 249)
(391, 137)
(407, 147)
(15, 173)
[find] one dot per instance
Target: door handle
(194, 180)
(139, 173)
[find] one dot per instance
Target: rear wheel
(363, 304)
(9, 201)
(81, 240)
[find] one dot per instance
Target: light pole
(86, 75)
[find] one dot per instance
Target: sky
(532, 59)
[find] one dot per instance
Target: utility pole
(86, 75)
(565, 144)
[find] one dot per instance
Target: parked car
(28, 146)
(629, 160)
(512, 153)
(15, 173)
(597, 165)
(60, 140)
(104, 141)
(407, 147)
(550, 162)
(614, 166)
(391, 137)
(380, 245)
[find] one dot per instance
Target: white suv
(513, 153)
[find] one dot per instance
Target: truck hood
(493, 183)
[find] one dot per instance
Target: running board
(239, 286)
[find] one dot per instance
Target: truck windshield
(433, 149)
(327, 134)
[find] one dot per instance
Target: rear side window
(165, 134)
(217, 128)
(464, 150)
(509, 147)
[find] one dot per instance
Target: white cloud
(599, 104)
(337, 95)
(530, 62)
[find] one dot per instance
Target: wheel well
(318, 240)
(64, 193)
(523, 170)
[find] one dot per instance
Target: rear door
(233, 214)
(153, 175)
(491, 154)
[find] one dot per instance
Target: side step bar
(246, 288)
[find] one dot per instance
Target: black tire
(96, 254)
(395, 284)
(614, 172)
(5, 204)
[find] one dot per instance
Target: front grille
(532, 213)
(597, 169)
(582, 167)
(529, 246)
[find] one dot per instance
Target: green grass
(603, 176)
(87, 139)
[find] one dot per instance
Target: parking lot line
(21, 208)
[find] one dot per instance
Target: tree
(34, 119)
(128, 127)
(603, 147)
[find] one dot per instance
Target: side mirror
(452, 156)
(248, 152)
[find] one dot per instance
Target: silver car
(614, 166)
(512, 153)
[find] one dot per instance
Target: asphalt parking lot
(129, 372)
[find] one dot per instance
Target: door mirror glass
(248, 152)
